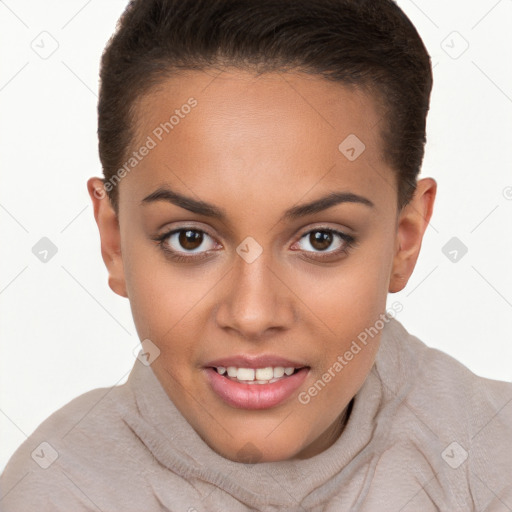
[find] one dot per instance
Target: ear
(411, 226)
(108, 225)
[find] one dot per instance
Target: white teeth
(278, 372)
(245, 374)
(264, 373)
(256, 376)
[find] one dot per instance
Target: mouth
(255, 387)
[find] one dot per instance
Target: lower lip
(255, 396)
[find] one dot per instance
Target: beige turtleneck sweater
(425, 434)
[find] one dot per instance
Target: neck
(329, 437)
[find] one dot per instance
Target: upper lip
(261, 361)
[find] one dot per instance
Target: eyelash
(350, 243)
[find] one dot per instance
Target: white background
(64, 332)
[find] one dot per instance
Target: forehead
(286, 132)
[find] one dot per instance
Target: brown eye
(188, 245)
(189, 239)
(320, 240)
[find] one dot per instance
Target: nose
(256, 300)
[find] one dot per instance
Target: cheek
(160, 301)
(347, 298)
(347, 305)
(172, 304)
(349, 347)
(166, 299)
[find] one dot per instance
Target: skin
(256, 146)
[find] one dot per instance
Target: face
(226, 269)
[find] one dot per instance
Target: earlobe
(110, 236)
(412, 223)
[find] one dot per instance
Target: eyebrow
(210, 210)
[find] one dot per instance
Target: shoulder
(433, 373)
(74, 444)
(459, 422)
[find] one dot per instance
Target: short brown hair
(369, 43)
